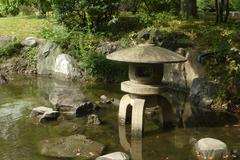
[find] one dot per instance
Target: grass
(22, 26)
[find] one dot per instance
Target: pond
(20, 135)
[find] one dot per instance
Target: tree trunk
(188, 8)
(135, 5)
(221, 11)
(42, 7)
(227, 11)
(193, 8)
(217, 11)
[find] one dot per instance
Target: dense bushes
(84, 14)
(9, 8)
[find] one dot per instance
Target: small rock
(105, 100)
(84, 109)
(3, 79)
(235, 153)
(44, 114)
(40, 111)
(114, 156)
(209, 148)
(29, 42)
(93, 120)
(49, 116)
(150, 112)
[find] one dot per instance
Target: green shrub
(157, 19)
(11, 49)
(98, 67)
(9, 8)
(156, 6)
(205, 6)
(236, 5)
(58, 34)
(84, 14)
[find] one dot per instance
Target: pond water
(19, 135)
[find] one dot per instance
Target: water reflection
(9, 114)
(134, 146)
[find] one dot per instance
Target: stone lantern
(146, 66)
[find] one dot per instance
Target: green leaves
(84, 15)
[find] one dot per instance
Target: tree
(84, 14)
(42, 7)
(188, 8)
(222, 10)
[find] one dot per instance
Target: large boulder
(75, 146)
(47, 54)
(209, 148)
(51, 61)
(64, 67)
(182, 74)
(114, 156)
(202, 92)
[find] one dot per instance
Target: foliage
(236, 5)
(156, 20)
(57, 34)
(84, 15)
(10, 49)
(205, 6)
(9, 7)
(156, 6)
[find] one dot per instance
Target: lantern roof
(146, 53)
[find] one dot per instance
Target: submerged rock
(71, 147)
(114, 156)
(93, 119)
(3, 79)
(209, 148)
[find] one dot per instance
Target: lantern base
(138, 104)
